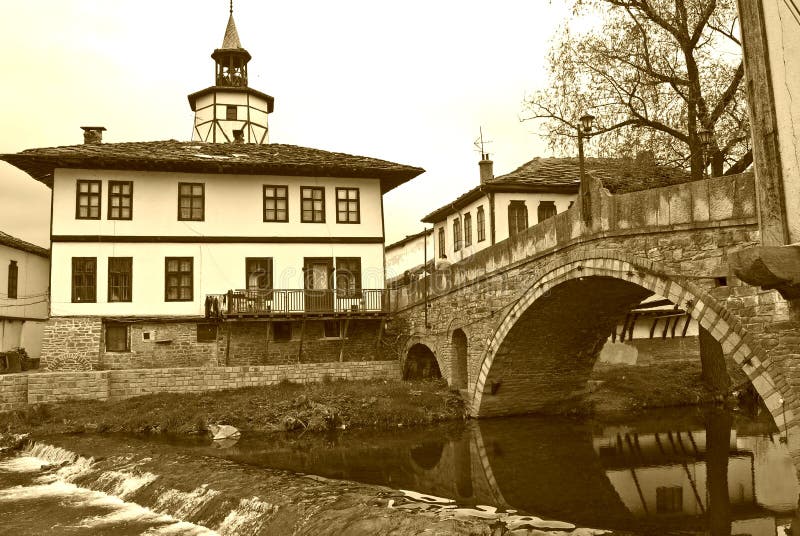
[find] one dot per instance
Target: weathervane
(479, 144)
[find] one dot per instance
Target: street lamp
(706, 136)
(584, 130)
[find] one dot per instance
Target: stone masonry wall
(249, 344)
(17, 390)
(169, 344)
(13, 391)
(71, 343)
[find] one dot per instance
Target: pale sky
(411, 82)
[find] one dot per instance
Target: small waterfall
(130, 493)
(247, 518)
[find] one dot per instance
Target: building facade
(24, 274)
(406, 258)
(226, 250)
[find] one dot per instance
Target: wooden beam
(344, 338)
(380, 338)
(266, 346)
(302, 336)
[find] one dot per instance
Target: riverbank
(315, 407)
(371, 404)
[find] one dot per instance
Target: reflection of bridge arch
(566, 309)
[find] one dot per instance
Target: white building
(193, 253)
(500, 207)
(406, 258)
(24, 274)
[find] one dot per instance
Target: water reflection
(696, 474)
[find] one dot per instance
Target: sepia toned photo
(529, 268)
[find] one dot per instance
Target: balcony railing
(292, 301)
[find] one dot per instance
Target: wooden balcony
(297, 302)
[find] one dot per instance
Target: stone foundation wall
(13, 391)
(250, 344)
(71, 343)
(79, 344)
(17, 390)
(168, 344)
(60, 386)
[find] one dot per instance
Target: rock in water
(223, 431)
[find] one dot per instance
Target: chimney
(93, 135)
(486, 167)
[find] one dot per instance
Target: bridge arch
(420, 363)
(458, 359)
(617, 281)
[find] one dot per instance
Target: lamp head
(705, 136)
(586, 122)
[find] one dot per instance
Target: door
(318, 288)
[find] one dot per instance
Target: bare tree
(654, 72)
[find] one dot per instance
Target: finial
(231, 7)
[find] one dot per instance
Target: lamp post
(705, 135)
(584, 130)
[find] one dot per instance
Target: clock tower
(230, 111)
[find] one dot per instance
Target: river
(666, 472)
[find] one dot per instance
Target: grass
(352, 404)
(625, 388)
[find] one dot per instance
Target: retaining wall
(19, 390)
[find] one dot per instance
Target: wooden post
(228, 345)
(381, 322)
(344, 338)
(266, 346)
(302, 336)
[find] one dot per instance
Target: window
(87, 200)
(84, 279)
(230, 113)
(332, 329)
(206, 332)
(481, 221)
(282, 331)
(313, 205)
(547, 209)
(517, 217)
(467, 229)
(120, 200)
(347, 206)
(191, 201)
(13, 278)
(117, 339)
(179, 284)
(442, 254)
(120, 279)
(276, 203)
(348, 277)
(259, 273)
(669, 499)
(457, 234)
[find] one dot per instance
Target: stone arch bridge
(518, 326)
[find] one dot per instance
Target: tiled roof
(409, 238)
(200, 157)
(562, 175)
(231, 39)
(16, 243)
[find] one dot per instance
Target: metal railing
(294, 301)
